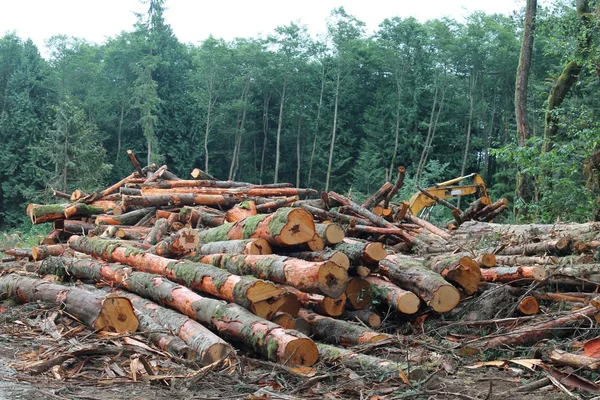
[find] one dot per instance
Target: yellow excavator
(446, 190)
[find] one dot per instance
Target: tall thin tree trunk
(435, 123)
(119, 132)
(298, 155)
(397, 130)
(468, 140)
(279, 127)
(207, 130)
(239, 132)
(266, 102)
(318, 119)
(332, 147)
(149, 152)
(429, 130)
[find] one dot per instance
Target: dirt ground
(30, 333)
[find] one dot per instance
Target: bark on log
(463, 271)
(130, 191)
(324, 255)
(381, 368)
(205, 216)
(429, 226)
(202, 183)
(368, 317)
(197, 173)
(180, 199)
(240, 211)
(510, 274)
(340, 332)
(525, 260)
(97, 312)
(358, 293)
(20, 253)
(324, 277)
(334, 216)
(319, 303)
(578, 361)
(135, 163)
(260, 297)
(238, 193)
(76, 227)
(485, 211)
(40, 252)
(246, 246)
(491, 216)
(555, 246)
(130, 218)
(178, 244)
(397, 186)
(85, 210)
(161, 226)
(207, 347)
(530, 230)
(60, 195)
(230, 320)
(434, 290)
(53, 237)
(400, 300)
(330, 233)
(473, 208)
(46, 213)
(275, 204)
(361, 252)
(285, 227)
(378, 196)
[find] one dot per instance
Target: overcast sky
(194, 20)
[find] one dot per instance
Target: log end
(291, 305)
(300, 227)
(487, 260)
(529, 306)
(333, 307)
(316, 243)
(358, 292)
(444, 299)
(284, 320)
(340, 259)
(332, 279)
(408, 303)
(117, 315)
(374, 252)
(334, 234)
(300, 351)
(260, 247)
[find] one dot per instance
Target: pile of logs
(276, 270)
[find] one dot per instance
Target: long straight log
(429, 226)
(97, 312)
(398, 299)
(368, 317)
(275, 204)
(84, 210)
(245, 246)
(578, 361)
(491, 216)
(161, 226)
(40, 252)
(46, 213)
(324, 255)
(230, 320)
(181, 242)
(336, 331)
(379, 367)
(205, 216)
(260, 297)
(502, 260)
(334, 216)
(489, 208)
(21, 252)
(378, 196)
(510, 274)
(285, 227)
(359, 252)
(397, 186)
(473, 208)
(208, 346)
(237, 192)
(243, 210)
(180, 199)
(135, 163)
(463, 271)
(197, 173)
(324, 277)
(411, 275)
(203, 183)
(130, 218)
(554, 246)
(319, 303)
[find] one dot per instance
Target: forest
(339, 112)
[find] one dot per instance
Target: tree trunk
(427, 139)
(321, 304)
(180, 199)
(330, 233)
(265, 122)
(321, 277)
(361, 252)
(463, 271)
(317, 120)
(324, 255)
(40, 252)
(298, 154)
(110, 313)
(230, 320)
(130, 218)
(178, 244)
(161, 226)
(340, 332)
(250, 293)
(275, 204)
(279, 128)
(397, 128)
(367, 317)
(285, 227)
(357, 361)
(400, 300)
(510, 274)
(247, 246)
(411, 275)
(468, 139)
(332, 145)
(240, 211)
(378, 196)
(397, 185)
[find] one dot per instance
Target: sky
(194, 20)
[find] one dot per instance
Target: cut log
(135, 163)
(179, 200)
(20, 253)
(379, 367)
(276, 204)
(463, 271)
(455, 210)
(473, 208)
(204, 216)
(321, 304)
(76, 227)
(230, 320)
(361, 252)
(197, 173)
(161, 226)
(528, 306)
(510, 274)
(85, 210)
(340, 332)
(291, 305)
(285, 227)
(137, 233)
(397, 186)
(205, 347)
(525, 260)
(378, 196)
(178, 244)
(330, 233)
(334, 216)
(243, 210)
(324, 255)
(487, 260)
(40, 252)
(246, 246)
(130, 191)
(358, 293)
(53, 237)
(368, 317)
(112, 313)
(411, 275)
(315, 244)
(323, 277)
(60, 195)
(130, 218)
(284, 320)
(578, 361)
(489, 208)
(46, 213)
(398, 299)
(261, 297)
(429, 226)
(555, 246)
(491, 216)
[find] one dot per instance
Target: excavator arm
(447, 190)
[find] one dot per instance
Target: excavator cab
(446, 190)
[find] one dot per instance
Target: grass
(27, 236)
